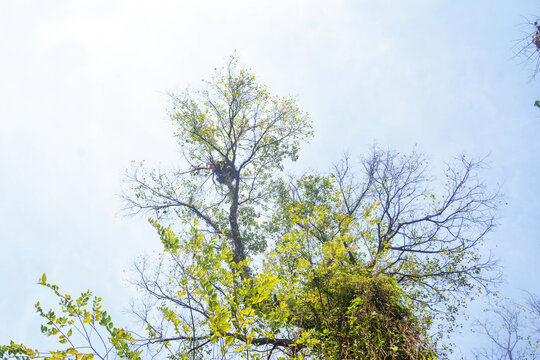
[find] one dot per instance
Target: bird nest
(222, 171)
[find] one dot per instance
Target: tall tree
(353, 264)
(234, 138)
(383, 221)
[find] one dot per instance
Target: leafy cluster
(85, 329)
(357, 316)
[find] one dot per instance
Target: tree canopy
(356, 263)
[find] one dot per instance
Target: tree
(382, 223)
(345, 265)
(512, 329)
(528, 47)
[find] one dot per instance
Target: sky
(83, 93)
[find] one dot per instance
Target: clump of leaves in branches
(358, 316)
(84, 329)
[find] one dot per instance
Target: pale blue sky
(83, 92)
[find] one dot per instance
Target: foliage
(317, 311)
(358, 316)
(81, 320)
(234, 137)
(353, 264)
(381, 224)
(389, 220)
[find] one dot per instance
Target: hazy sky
(83, 92)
